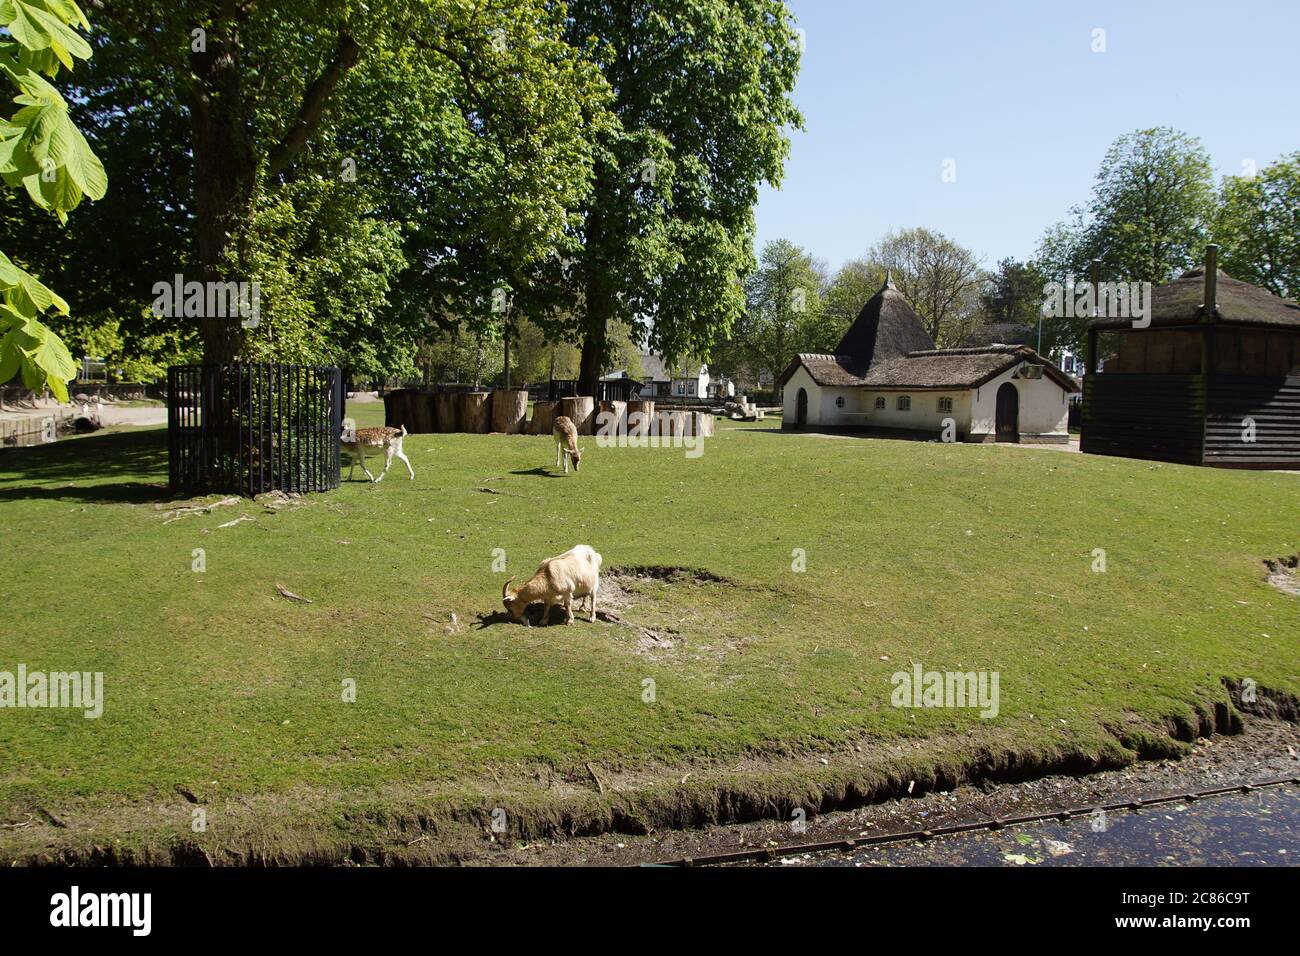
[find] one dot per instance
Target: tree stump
(509, 410)
(472, 412)
(612, 420)
(581, 410)
(543, 417)
(416, 411)
(639, 416)
(444, 411)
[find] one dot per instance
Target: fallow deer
(382, 437)
(566, 443)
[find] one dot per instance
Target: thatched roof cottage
(886, 374)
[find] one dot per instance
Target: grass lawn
(771, 689)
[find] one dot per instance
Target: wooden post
(509, 410)
(444, 411)
(472, 412)
(639, 416)
(581, 410)
(614, 418)
(543, 417)
(1211, 300)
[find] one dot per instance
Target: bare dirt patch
(655, 601)
(1282, 574)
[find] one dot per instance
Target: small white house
(686, 380)
(887, 374)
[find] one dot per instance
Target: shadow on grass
(539, 473)
(127, 467)
(533, 614)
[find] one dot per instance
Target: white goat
(576, 573)
(383, 437)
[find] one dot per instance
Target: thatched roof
(960, 368)
(926, 369)
(1237, 303)
(886, 328)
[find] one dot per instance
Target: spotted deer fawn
(389, 439)
(566, 443)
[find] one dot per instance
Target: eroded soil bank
(1266, 749)
(672, 812)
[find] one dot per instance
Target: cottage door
(801, 408)
(1008, 421)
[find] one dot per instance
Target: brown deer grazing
(566, 443)
(389, 439)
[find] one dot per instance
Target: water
(1261, 828)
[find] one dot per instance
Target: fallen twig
(600, 786)
(285, 592)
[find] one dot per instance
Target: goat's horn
(505, 589)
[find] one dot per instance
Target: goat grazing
(566, 443)
(383, 437)
(576, 573)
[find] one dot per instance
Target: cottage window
(880, 402)
(945, 404)
(839, 402)
(904, 403)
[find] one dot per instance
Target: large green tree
(459, 125)
(701, 103)
(1149, 216)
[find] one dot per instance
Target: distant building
(887, 374)
(685, 380)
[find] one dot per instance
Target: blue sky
(1012, 92)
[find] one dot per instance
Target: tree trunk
(509, 410)
(600, 307)
(225, 169)
(444, 411)
(640, 414)
(472, 412)
(543, 417)
(581, 410)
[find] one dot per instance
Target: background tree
(1258, 227)
(940, 278)
(701, 101)
(1011, 306)
(784, 304)
(849, 290)
(1148, 220)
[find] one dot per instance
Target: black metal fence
(617, 390)
(252, 428)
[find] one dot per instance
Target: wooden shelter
(1213, 379)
